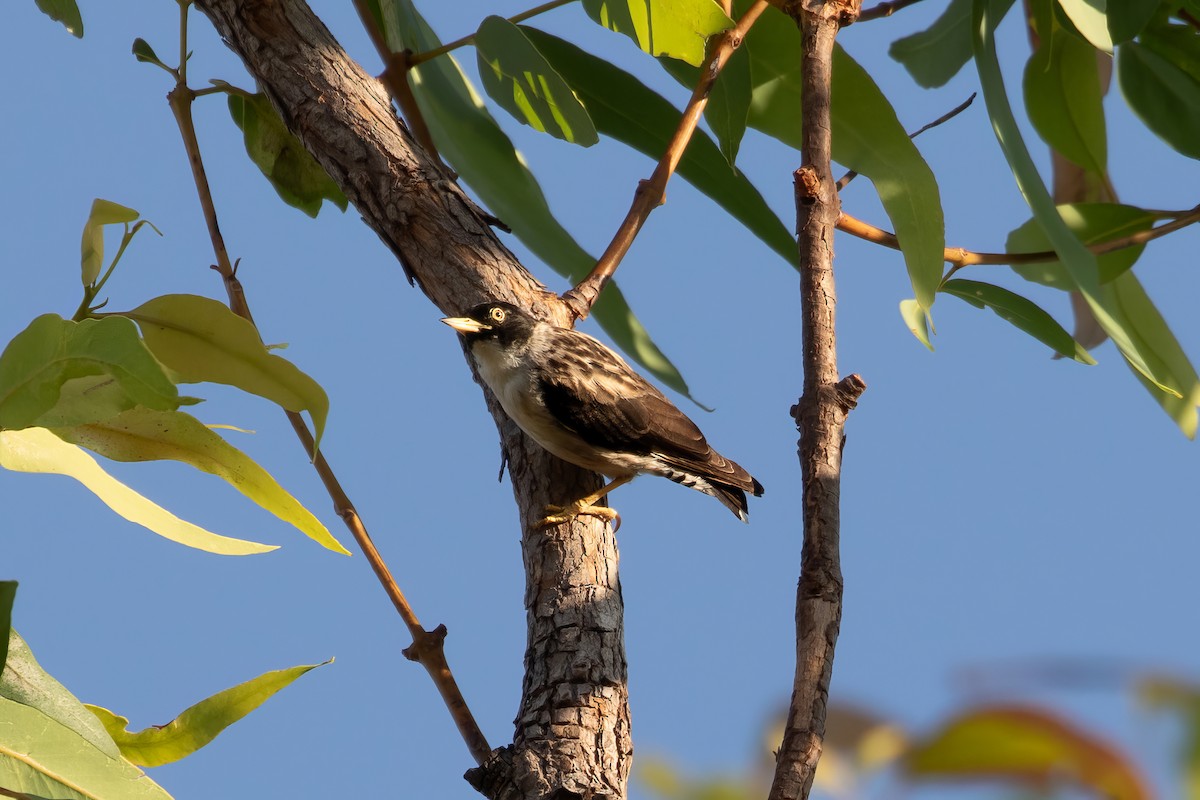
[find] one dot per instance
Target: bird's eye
(498, 314)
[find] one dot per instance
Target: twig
(395, 80)
(959, 257)
(944, 118)
(649, 194)
(884, 10)
(821, 412)
(421, 58)
(426, 648)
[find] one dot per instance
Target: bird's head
(503, 323)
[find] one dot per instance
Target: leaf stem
(650, 193)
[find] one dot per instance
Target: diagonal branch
(821, 411)
(650, 193)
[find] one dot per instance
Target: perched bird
(582, 402)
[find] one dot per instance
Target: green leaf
(52, 355)
(1093, 223)
(39, 450)
(144, 435)
(471, 141)
(1127, 18)
(1090, 18)
(52, 747)
(520, 79)
(64, 11)
(729, 104)
(25, 682)
(1163, 95)
(1064, 100)
(675, 28)
(1027, 747)
(1080, 263)
(8, 593)
(1127, 301)
(297, 177)
(104, 212)
(935, 55)
(867, 137)
(202, 340)
(916, 319)
(1022, 313)
(143, 52)
(197, 725)
(624, 109)
(1178, 44)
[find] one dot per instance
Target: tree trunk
(572, 730)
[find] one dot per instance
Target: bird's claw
(556, 515)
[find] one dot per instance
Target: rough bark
(821, 412)
(572, 729)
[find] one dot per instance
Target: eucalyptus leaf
(1127, 18)
(1164, 96)
(64, 11)
(39, 450)
(916, 319)
(935, 55)
(104, 212)
(297, 177)
(675, 28)
(1093, 223)
(197, 725)
(8, 593)
(53, 354)
(520, 79)
(1090, 18)
(1064, 100)
(141, 434)
(202, 340)
(1020, 312)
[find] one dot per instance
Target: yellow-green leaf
(142, 434)
(199, 724)
(675, 28)
(39, 450)
(1025, 746)
(104, 212)
(74, 372)
(916, 319)
(202, 340)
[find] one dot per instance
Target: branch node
(425, 643)
(808, 184)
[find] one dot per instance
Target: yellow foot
(556, 515)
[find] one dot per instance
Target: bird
(581, 402)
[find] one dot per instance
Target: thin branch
(822, 409)
(421, 58)
(884, 10)
(944, 118)
(395, 80)
(650, 193)
(959, 257)
(426, 648)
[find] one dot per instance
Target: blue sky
(998, 507)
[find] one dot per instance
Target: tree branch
(650, 193)
(573, 724)
(821, 411)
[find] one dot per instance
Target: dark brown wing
(589, 389)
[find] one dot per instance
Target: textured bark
(821, 412)
(572, 734)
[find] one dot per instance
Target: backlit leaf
(675, 28)
(104, 212)
(66, 12)
(197, 725)
(623, 108)
(916, 319)
(1063, 98)
(202, 340)
(39, 450)
(1093, 223)
(1022, 313)
(1090, 18)
(1026, 747)
(1164, 96)
(8, 592)
(519, 78)
(297, 177)
(53, 360)
(141, 434)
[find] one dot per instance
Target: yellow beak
(466, 324)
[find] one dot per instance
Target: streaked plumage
(582, 402)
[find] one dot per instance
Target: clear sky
(999, 507)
